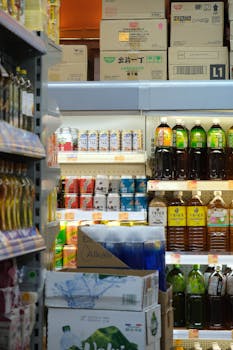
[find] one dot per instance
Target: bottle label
(231, 217)
(196, 216)
(180, 138)
(30, 105)
(217, 217)
(157, 216)
(216, 138)
(163, 137)
(230, 138)
(217, 285)
(177, 216)
(198, 139)
(229, 285)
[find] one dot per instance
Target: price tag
(69, 216)
(71, 159)
(152, 185)
(192, 185)
(96, 216)
(230, 184)
(212, 259)
(123, 36)
(193, 333)
(58, 215)
(123, 216)
(175, 258)
(119, 158)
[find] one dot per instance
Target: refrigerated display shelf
(202, 334)
(77, 214)
(205, 258)
(189, 185)
(20, 242)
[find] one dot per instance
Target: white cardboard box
(113, 290)
(133, 34)
(133, 65)
(104, 329)
(197, 23)
(118, 9)
(198, 63)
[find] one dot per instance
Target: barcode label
(129, 299)
(190, 70)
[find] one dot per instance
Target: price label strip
(192, 185)
(123, 216)
(193, 333)
(96, 216)
(119, 158)
(212, 259)
(175, 258)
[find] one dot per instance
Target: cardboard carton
(230, 10)
(133, 34)
(197, 24)
(198, 63)
(118, 9)
(68, 72)
(74, 54)
(167, 318)
(231, 65)
(129, 65)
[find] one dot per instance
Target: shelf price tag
(152, 185)
(230, 184)
(97, 216)
(192, 185)
(59, 215)
(69, 216)
(71, 159)
(123, 216)
(212, 259)
(175, 258)
(119, 158)
(193, 333)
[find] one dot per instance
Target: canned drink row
(65, 256)
(71, 139)
(110, 202)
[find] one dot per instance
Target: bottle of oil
(176, 230)
(197, 152)
(180, 150)
(196, 223)
(163, 162)
(217, 224)
(229, 155)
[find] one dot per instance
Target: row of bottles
(16, 98)
(17, 194)
(202, 300)
(192, 225)
(195, 155)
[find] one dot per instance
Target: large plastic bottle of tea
(163, 162)
(229, 155)
(157, 210)
(180, 150)
(195, 299)
(176, 278)
(196, 223)
(217, 224)
(229, 297)
(216, 300)
(216, 143)
(176, 229)
(197, 152)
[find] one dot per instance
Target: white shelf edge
(189, 258)
(189, 185)
(203, 334)
(77, 214)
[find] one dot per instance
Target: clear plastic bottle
(69, 340)
(229, 298)
(163, 162)
(216, 300)
(216, 143)
(197, 152)
(208, 271)
(180, 150)
(176, 230)
(157, 210)
(196, 223)
(217, 224)
(231, 226)
(195, 299)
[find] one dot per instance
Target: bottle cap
(66, 328)
(217, 193)
(196, 266)
(179, 121)
(215, 121)
(163, 120)
(178, 193)
(196, 193)
(197, 122)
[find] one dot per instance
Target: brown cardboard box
(231, 64)
(198, 63)
(68, 72)
(126, 35)
(197, 23)
(138, 65)
(74, 53)
(230, 10)
(119, 9)
(165, 299)
(167, 319)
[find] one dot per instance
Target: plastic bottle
(231, 226)
(176, 230)
(180, 150)
(229, 298)
(157, 211)
(176, 278)
(209, 270)
(197, 152)
(216, 143)
(195, 299)
(216, 300)
(196, 223)
(69, 340)
(163, 162)
(217, 224)
(229, 155)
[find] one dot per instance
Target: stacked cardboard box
(196, 41)
(167, 319)
(230, 17)
(133, 40)
(73, 66)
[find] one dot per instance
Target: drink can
(72, 232)
(127, 202)
(137, 141)
(114, 140)
(82, 140)
(71, 200)
(58, 257)
(86, 184)
(140, 201)
(86, 201)
(114, 184)
(100, 202)
(71, 184)
(113, 202)
(70, 256)
(141, 184)
(127, 184)
(101, 184)
(104, 140)
(61, 237)
(93, 140)
(126, 140)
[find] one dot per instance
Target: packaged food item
(137, 140)
(70, 256)
(113, 202)
(82, 140)
(104, 140)
(93, 140)
(127, 184)
(86, 184)
(141, 184)
(140, 202)
(71, 200)
(127, 202)
(86, 201)
(114, 184)
(126, 140)
(61, 237)
(71, 184)
(58, 257)
(101, 184)
(100, 202)
(115, 140)
(72, 232)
